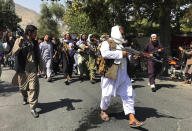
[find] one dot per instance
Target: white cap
(153, 35)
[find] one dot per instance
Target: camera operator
(26, 50)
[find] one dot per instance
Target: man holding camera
(26, 50)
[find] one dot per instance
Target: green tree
(49, 19)
(57, 11)
(186, 24)
(163, 17)
(8, 19)
(165, 13)
(100, 15)
(77, 20)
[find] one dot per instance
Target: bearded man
(154, 48)
(28, 59)
(115, 81)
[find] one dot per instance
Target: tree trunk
(165, 35)
(165, 29)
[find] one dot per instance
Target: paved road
(76, 107)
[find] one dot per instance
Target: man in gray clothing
(46, 54)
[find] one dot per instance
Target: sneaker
(153, 88)
(34, 113)
(132, 80)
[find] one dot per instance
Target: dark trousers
(154, 69)
(65, 66)
(70, 66)
(55, 64)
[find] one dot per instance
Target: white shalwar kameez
(121, 86)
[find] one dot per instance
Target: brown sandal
(104, 116)
(136, 124)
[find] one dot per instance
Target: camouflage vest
(107, 67)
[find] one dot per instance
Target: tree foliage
(186, 23)
(100, 15)
(8, 18)
(77, 20)
(49, 19)
(165, 13)
(134, 15)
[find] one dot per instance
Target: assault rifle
(140, 53)
(89, 51)
(84, 54)
(93, 52)
(26, 44)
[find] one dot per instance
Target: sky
(33, 4)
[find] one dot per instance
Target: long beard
(155, 43)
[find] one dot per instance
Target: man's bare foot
(104, 116)
(133, 122)
(185, 82)
(69, 78)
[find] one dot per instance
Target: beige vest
(107, 66)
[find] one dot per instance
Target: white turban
(116, 35)
(153, 35)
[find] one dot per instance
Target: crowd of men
(50, 56)
(62, 55)
(69, 55)
(79, 55)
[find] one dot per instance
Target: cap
(153, 35)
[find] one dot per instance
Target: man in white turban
(153, 48)
(115, 80)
